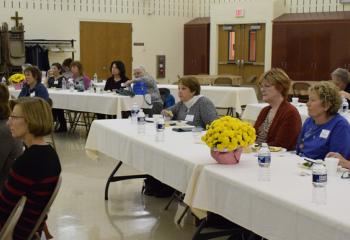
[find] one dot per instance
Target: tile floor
(80, 211)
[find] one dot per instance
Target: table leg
(113, 178)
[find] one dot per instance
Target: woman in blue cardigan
(33, 86)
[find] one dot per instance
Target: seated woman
(118, 76)
(325, 130)
(196, 109)
(278, 124)
(35, 173)
(55, 76)
(33, 86)
(80, 81)
(66, 68)
(56, 81)
(10, 148)
(141, 75)
(341, 78)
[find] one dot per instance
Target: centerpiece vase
(227, 157)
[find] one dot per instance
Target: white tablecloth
(106, 103)
(176, 161)
(252, 111)
(223, 97)
(279, 209)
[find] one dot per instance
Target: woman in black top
(118, 76)
(36, 172)
(55, 79)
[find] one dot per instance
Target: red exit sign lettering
(239, 12)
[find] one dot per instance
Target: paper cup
(295, 100)
(331, 165)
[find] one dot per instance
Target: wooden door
(293, 54)
(323, 36)
(279, 46)
(196, 49)
(229, 58)
(249, 50)
(303, 36)
(103, 42)
(253, 51)
(339, 47)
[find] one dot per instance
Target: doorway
(242, 50)
(103, 42)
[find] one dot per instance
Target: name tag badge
(32, 94)
(324, 134)
(189, 118)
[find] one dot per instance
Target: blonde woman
(278, 124)
(325, 130)
(36, 172)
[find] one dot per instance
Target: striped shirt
(34, 175)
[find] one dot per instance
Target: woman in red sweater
(278, 124)
(35, 173)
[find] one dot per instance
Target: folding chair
(45, 211)
(223, 81)
(7, 230)
(300, 90)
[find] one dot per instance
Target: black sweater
(112, 84)
(34, 175)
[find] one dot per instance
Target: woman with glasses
(36, 172)
(325, 130)
(10, 148)
(278, 124)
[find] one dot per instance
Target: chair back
(300, 90)
(167, 98)
(47, 208)
(7, 230)
(223, 81)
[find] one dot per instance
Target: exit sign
(239, 12)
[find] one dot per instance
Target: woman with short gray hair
(194, 108)
(141, 75)
(341, 78)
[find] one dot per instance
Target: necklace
(309, 133)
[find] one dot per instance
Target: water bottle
(71, 84)
(319, 174)
(95, 79)
(141, 122)
(64, 84)
(345, 105)
(264, 156)
(134, 111)
(160, 127)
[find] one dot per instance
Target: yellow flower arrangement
(17, 78)
(228, 133)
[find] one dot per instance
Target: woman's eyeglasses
(15, 117)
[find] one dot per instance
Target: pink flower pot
(231, 157)
(18, 86)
